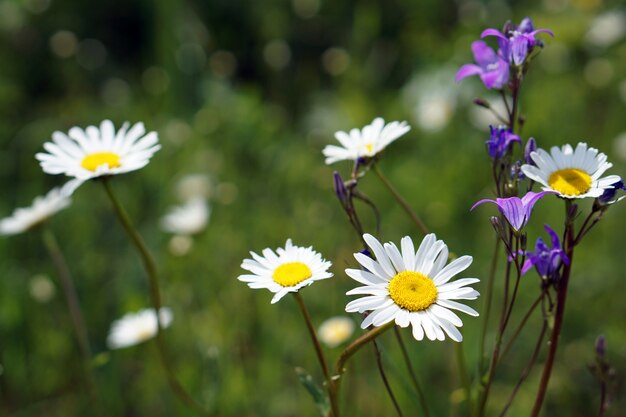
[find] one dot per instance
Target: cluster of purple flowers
(501, 139)
(515, 42)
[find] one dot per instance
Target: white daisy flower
(138, 327)
(366, 142)
(573, 173)
(287, 270)
(43, 208)
(95, 152)
(188, 219)
(335, 330)
(412, 288)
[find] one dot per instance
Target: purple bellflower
(608, 197)
(516, 210)
(492, 69)
(546, 260)
(516, 42)
(500, 140)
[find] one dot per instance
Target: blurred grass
(201, 75)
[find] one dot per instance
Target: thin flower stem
(416, 219)
(487, 304)
(383, 375)
(360, 196)
(496, 350)
(508, 108)
(353, 348)
(604, 404)
(463, 375)
(155, 293)
(558, 318)
(414, 380)
(320, 353)
(527, 370)
(73, 305)
(521, 325)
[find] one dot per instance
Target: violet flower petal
(466, 71)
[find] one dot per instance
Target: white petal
(453, 268)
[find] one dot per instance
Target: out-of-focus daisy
(432, 98)
(286, 270)
(138, 327)
(43, 208)
(573, 173)
(606, 29)
(194, 185)
(335, 330)
(180, 245)
(412, 288)
(364, 143)
(98, 151)
(188, 219)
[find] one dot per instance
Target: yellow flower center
(94, 160)
(412, 291)
(369, 148)
(291, 274)
(570, 181)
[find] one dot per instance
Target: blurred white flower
(335, 330)
(41, 288)
(135, 328)
(26, 218)
(606, 29)
(193, 186)
(431, 98)
(180, 245)
(189, 219)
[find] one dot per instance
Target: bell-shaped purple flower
(517, 41)
(500, 141)
(546, 260)
(516, 210)
(491, 68)
(608, 197)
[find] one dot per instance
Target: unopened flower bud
(600, 346)
(482, 103)
(523, 240)
(531, 146)
(340, 189)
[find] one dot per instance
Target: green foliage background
(248, 93)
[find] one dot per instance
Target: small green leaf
(319, 396)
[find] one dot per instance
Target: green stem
(353, 348)
(320, 353)
(73, 305)
(521, 325)
(383, 376)
(155, 293)
(462, 367)
(526, 371)
(414, 380)
(416, 219)
(496, 351)
(487, 304)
